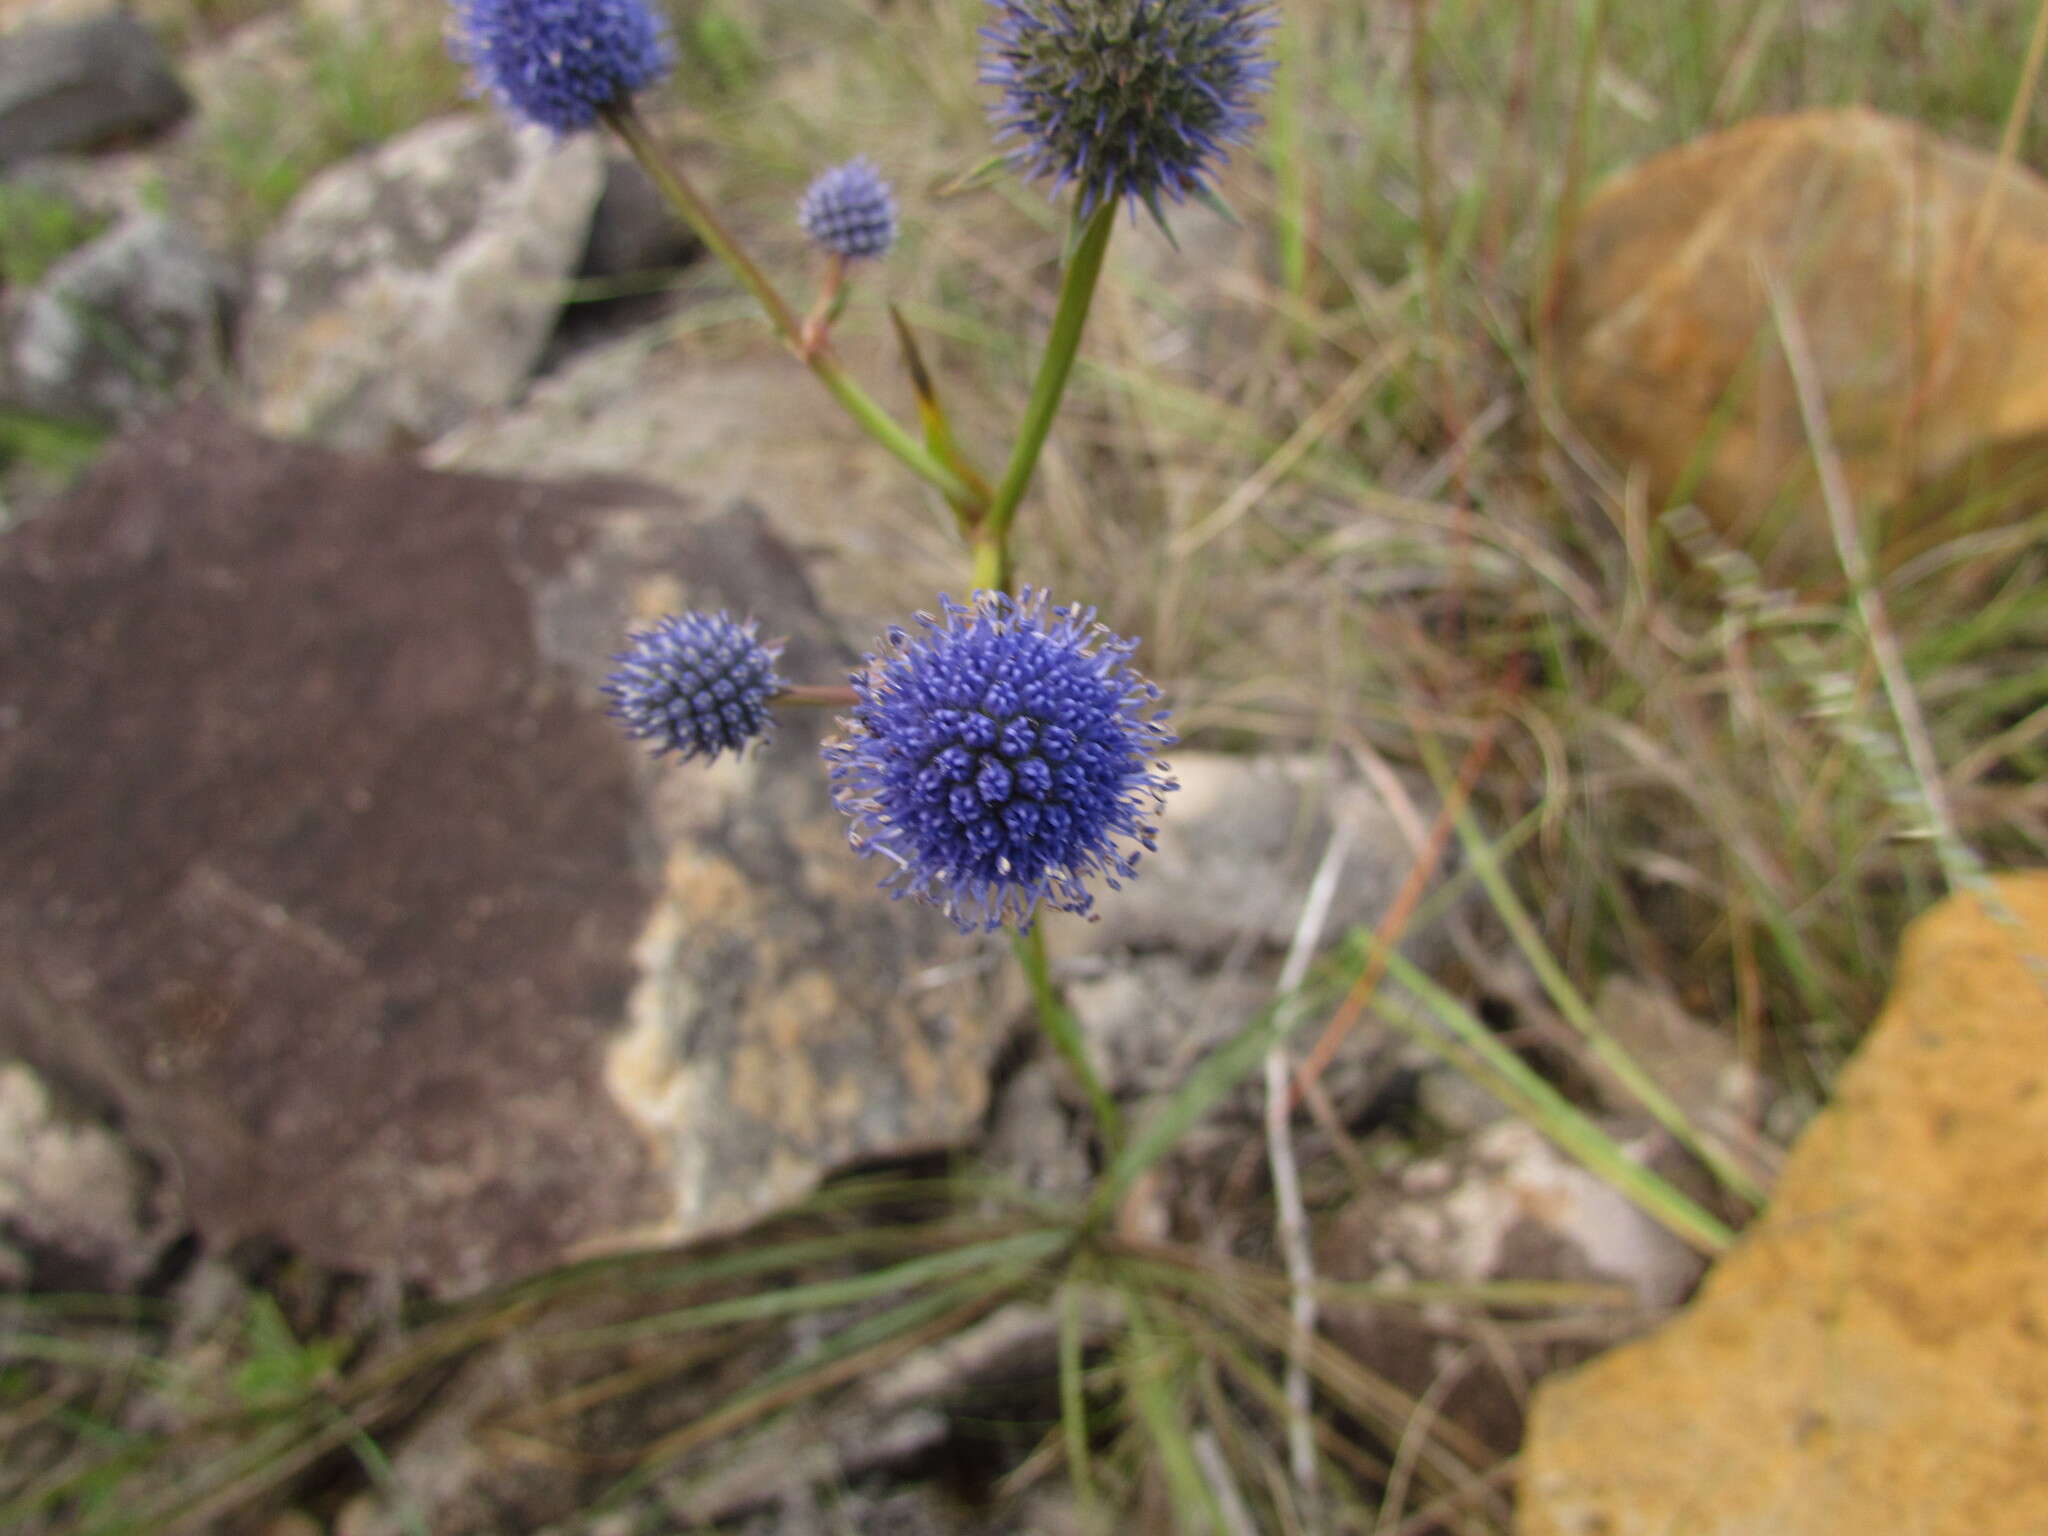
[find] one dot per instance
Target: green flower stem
(1077, 292)
(1064, 1031)
(626, 121)
(990, 540)
(884, 429)
(991, 561)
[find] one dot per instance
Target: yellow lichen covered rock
(1873, 1356)
(1662, 346)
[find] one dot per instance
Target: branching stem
(625, 120)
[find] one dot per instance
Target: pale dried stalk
(1958, 864)
(1290, 1218)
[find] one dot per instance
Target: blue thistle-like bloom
(696, 684)
(559, 63)
(849, 211)
(1000, 756)
(1127, 99)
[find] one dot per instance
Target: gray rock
(1453, 1102)
(1504, 1204)
(1032, 1140)
(411, 287)
(1187, 955)
(753, 424)
(326, 867)
(75, 1201)
(1149, 1018)
(1699, 1066)
(80, 85)
(122, 324)
(1508, 1193)
(633, 230)
(1239, 843)
(625, 278)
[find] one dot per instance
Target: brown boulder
(1661, 344)
(1873, 1356)
(321, 864)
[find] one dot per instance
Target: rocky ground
(471, 1126)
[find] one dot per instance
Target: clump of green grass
(40, 454)
(350, 88)
(719, 49)
(1159, 1388)
(38, 228)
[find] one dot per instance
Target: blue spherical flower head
(696, 684)
(559, 63)
(1000, 757)
(1130, 99)
(849, 211)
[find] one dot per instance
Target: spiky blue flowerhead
(696, 684)
(1129, 99)
(849, 211)
(559, 63)
(1000, 756)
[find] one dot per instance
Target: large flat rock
(1873, 1356)
(323, 866)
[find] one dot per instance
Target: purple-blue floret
(849, 211)
(695, 684)
(1000, 756)
(1131, 100)
(559, 63)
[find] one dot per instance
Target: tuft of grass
(720, 53)
(39, 453)
(347, 86)
(38, 228)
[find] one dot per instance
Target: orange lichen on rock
(1873, 1356)
(1917, 272)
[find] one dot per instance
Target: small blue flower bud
(559, 63)
(696, 684)
(1129, 99)
(1000, 758)
(849, 211)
